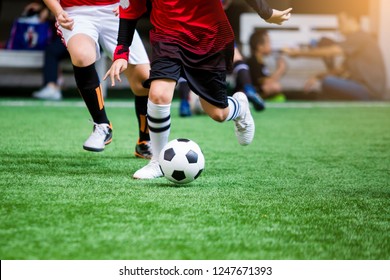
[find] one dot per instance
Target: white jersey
(101, 24)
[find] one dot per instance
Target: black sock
(141, 107)
(88, 84)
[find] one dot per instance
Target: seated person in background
(361, 76)
(243, 79)
(36, 8)
(54, 53)
(32, 29)
(266, 83)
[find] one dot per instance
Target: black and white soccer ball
(181, 161)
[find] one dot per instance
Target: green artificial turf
(314, 184)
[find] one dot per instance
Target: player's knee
(82, 62)
(82, 58)
(159, 98)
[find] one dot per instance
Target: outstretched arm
(128, 17)
(121, 53)
(267, 13)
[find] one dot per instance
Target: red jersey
(199, 26)
(71, 3)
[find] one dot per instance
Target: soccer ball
(181, 161)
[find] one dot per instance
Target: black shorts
(206, 76)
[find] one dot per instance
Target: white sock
(159, 121)
(234, 109)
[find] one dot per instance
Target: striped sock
(159, 121)
(234, 109)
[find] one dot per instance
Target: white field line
(329, 104)
(175, 104)
(37, 103)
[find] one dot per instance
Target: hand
(116, 11)
(117, 67)
(64, 20)
(34, 6)
(278, 17)
(44, 15)
(310, 84)
(226, 3)
(281, 64)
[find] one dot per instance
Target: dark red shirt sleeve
(261, 7)
(132, 9)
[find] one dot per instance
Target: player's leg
(159, 121)
(212, 91)
(84, 50)
(54, 53)
(88, 84)
(238, 110)
(162, 82)
(136, 73)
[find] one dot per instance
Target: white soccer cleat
(48, 93)
(150, 171)
(244, 124)
(99, 138)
